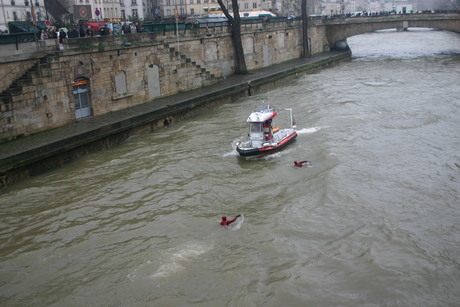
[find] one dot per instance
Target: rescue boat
(263, 137)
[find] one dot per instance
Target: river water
(374, 221)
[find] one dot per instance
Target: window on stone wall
(246, 6)
(120, 83)
(254, 5)
(192, 11)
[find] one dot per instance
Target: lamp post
(177, 24)
(34, 19)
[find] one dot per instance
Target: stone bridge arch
(337, 30)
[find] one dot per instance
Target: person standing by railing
(43, 35)
(81, 31)
(89, 32)
(126, 29)
(62, 36)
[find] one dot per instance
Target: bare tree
(305, 49)
(235, 25)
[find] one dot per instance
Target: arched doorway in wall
(80, 89)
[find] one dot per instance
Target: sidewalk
(33, 148)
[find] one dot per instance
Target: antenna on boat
(268, 98)
(293, 123)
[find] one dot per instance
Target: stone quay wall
(41, 90)
(39, 153)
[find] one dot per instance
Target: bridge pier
(341, 46)
(404, 27)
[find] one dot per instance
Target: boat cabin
(260, 127)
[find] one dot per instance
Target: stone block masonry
(92, 80)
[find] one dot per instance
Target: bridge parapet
(383, 18)
(14, 51)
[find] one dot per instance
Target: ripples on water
(374, 221)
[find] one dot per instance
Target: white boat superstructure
(263, 137)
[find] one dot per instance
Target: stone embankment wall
(116, 72)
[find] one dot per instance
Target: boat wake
(308, 130)
(176, 259)
(272, 157)
(231, 153)
(238, 223)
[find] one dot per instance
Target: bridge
(338, 29)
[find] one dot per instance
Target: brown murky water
(374, 221)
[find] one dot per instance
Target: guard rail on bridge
(23, 46)
(339, 20)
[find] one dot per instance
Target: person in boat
(226, 222)
(301, 163)
(268, 130)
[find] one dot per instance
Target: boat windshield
(255, 127)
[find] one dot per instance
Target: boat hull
(266, 150)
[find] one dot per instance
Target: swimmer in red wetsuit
(224, 221)
(301, 163)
